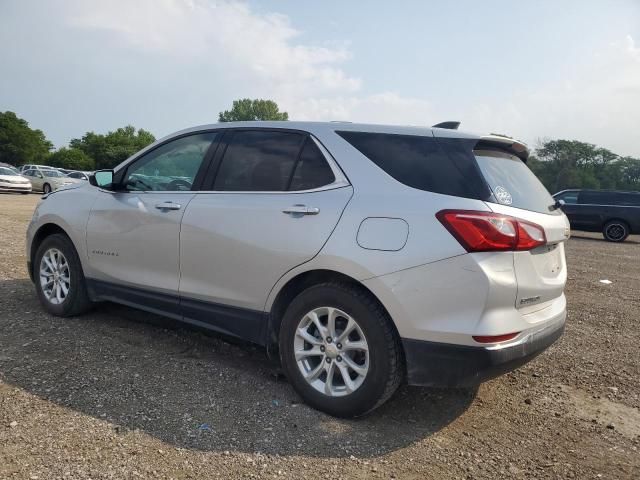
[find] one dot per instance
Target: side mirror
(102, 179)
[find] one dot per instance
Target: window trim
(340, 179)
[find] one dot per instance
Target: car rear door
(274, 198)
(133, 234)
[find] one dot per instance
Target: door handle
(168, 206)
(301, 210)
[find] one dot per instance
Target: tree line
(559, 164)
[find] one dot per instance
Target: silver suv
(363, 255)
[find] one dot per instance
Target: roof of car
(320, 127)
(595, 190)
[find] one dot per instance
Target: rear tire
(363, 346)
(46, 188)
(59, 279)
(615, 231)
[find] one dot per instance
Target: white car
(362, 255)
(47, 180)
(10, 181)
(26, 167)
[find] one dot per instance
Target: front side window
(570, 198)
(171, 167)
(258, 161)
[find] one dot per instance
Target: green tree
(249, 110)
(109, 150)
(71, 158)
(562, 164)
(20, 144)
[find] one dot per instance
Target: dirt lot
(121, 394)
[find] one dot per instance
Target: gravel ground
(122, 394)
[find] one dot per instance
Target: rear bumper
(447, 365)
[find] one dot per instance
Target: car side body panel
(69, 210)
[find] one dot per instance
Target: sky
(534, 70)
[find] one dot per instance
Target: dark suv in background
(614, 213)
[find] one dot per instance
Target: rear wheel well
(43, 232)
(298, 284)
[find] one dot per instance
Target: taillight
(488, 231)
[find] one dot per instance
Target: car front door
(274, 198)
(133, 232)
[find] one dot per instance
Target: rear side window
(258, 161)
(414, 160)
(629, 199)
(512, 183)
(610, 198)
(312, 169)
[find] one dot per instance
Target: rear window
(610, 198)
(512, 183)
(417, 161)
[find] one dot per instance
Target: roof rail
(449, 125)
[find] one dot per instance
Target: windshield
(51, 173)
(7, 171)
(512, 183)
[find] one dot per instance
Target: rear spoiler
(515, 147)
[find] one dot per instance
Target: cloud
(599, 102)
(228, 34)
(167, 64)
(306, 80)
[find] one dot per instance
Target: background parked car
(11, 181)
(24, 168)
(78, 175)
(614, 213)
(47, 179)
(10, 167)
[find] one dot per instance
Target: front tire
(615, 231)
(46, 188)
(340, 350)
(59, 279)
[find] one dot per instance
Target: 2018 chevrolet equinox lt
(365, 255)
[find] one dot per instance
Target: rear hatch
(541, 273)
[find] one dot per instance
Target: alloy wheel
(615, 231)
(331, 351)
(55, 279)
